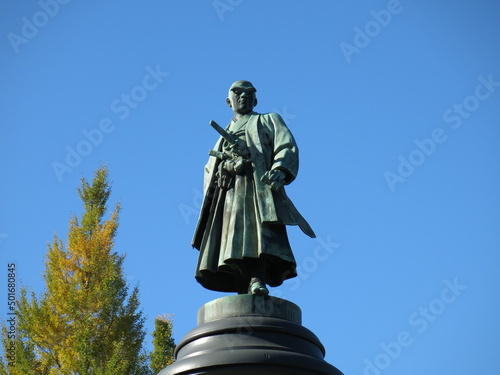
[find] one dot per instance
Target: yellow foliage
(78, 315)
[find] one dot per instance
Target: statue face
(241, 97)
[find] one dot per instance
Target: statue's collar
(243, 119)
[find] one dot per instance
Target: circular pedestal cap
(249, 305)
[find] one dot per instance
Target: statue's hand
(277, 175)
(275, 178)
(235, 165)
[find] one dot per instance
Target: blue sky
(394, 105)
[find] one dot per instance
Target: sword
(239, 150)
(231, 139)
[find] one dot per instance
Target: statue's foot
(257, 287)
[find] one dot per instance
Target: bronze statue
(241, 233)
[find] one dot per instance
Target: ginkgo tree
(87, 321)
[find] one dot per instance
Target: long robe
(243, 222)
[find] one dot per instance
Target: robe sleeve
(285, 150)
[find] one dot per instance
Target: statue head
(241, 97)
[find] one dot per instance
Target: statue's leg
(257, 283)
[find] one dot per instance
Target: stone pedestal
(247, 334)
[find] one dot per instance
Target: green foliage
(94, 199)
(86, 322)
(164, 346)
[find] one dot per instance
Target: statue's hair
(242, 83)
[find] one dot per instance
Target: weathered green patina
(241, 231)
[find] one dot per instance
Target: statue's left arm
(285, 159)
(285, 151)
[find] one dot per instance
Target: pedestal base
(245, 334)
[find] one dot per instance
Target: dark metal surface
(250, 343)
